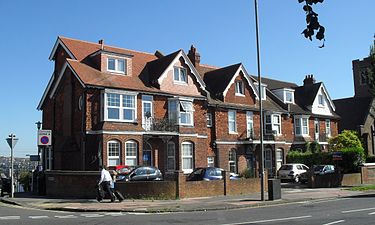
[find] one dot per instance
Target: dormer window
(179, 75)
(263, 90)
(239, 88)
(288, 96)
(116, 65)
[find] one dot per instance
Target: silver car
(291, 172)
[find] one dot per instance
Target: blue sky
(223, 32)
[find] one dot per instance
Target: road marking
(66, 217)
(270, 220)
(38, 217)
(373, 213)
(114, 214)
(92, 215)
(10, 218)
(358, 210)
(334, 222)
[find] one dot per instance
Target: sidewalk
(289, 195)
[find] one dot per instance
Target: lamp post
(38, 126)
(260, 104)
(12, 141)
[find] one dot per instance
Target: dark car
(209, 173)
(323, 169)
(144, 173)
(5, 186)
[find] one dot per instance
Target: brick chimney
(194, 56)
(101, 42)
(309, 80)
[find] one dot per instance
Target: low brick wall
(368, 173)
(195, 189)
(148, 189)
(351, 179)
(245, 186)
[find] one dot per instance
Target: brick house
(109, 105)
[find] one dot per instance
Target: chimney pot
(101, 42)
(194, 56)
(309, 80)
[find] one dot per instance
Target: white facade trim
(54, 49)
(46, 92)
(247, 77)
(249, 142)
(144, 133)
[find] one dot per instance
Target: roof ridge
(105, 45)
(209, 66)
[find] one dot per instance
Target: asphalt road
(357, 210)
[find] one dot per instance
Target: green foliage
(347, 139)
(312, 21)
(247, 173)
(363, 188)
(25, 180)
(313, 147)
(351, 159)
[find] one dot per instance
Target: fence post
(180, 184)
(226, 179)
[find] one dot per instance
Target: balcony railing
(163, 125)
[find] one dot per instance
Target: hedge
(351, 159)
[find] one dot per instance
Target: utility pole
(260, 104)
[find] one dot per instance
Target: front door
(316, 126)
(147, 154)
(279, 158)
(147, 112)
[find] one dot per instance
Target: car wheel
(297, 179)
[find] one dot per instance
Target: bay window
(273, 124)
(181, 112)
(301, 125)
(120, 107)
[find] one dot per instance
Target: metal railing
(163, 125)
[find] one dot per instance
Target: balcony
(161, 125)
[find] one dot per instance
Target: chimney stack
(194, 56)
(101, 42)
(309, 80)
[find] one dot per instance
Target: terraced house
(109, 105)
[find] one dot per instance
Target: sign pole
(12, 141)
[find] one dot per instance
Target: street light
(12, 141)
(38, 125)
(260, 104)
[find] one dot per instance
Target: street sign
(12, 141)
(44, 137)
(34, 158)
(337, 156)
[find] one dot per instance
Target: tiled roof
(217, 80)
(157, 67)
(353, 112)
(305, 95)
(276, 84)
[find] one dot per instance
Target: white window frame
(121, 106)
(299, 123)
(131, 157)
(209, 119)
(117, 70)
(285, 96)
(110, 156)
(239, 88)
(232, 120)
(190, 157)
(180, 77)
(187, 109)
(321, 101)
(171, 158)
(328, 127)
(275, 126)
(263, 90)
(232, 160)
(147, 121)
(249, 124)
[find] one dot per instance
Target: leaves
(312, 21)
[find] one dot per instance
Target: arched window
(171, 154)
(232, 161)
(113, 153)
(187, 157)
(131, 153)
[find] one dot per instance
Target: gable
(322, 104)
(234, 93)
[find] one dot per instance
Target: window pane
(121, 65)
(131, 162)
(113, 100)
(128, 101)
(171, 149)
(187, 163)
(113, 113)
(183, 75)
(129, 114)
(111, 64)
(187, 150)
(176, 74)
(304, 121)
(131, 149)
(170, 163)
(113, 149)
(186, 106)
(305, 130)
(268, 118)
(113, 162)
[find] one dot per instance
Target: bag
(119, 196)
(99, 193)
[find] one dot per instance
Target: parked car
(291, 172)
(209, 173)
(121, 170)
(144, 173)
(323, 169)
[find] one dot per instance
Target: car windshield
(286, 167)
(318, 168)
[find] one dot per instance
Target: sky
(222, 31)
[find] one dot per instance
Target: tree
(347, 139)
(312, 21)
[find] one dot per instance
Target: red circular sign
(44, 140)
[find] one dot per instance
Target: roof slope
(158, 66)
(275, 84)
(353, 112)
(218, 80)
(305, 95)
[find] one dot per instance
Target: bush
(313, 147)
(247, 173)
(25, 180)
(370, 159)
(347, 139)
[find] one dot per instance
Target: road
(358, 210)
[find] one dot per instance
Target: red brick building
(108, 105)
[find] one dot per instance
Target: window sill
(116, 72)
(233, 132)
(121, 121)
(180, 83)
(240, 95)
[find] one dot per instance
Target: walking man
(105, 183)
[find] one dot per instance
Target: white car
(291, 172)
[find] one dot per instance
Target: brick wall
(247, 99)
(368, 174)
